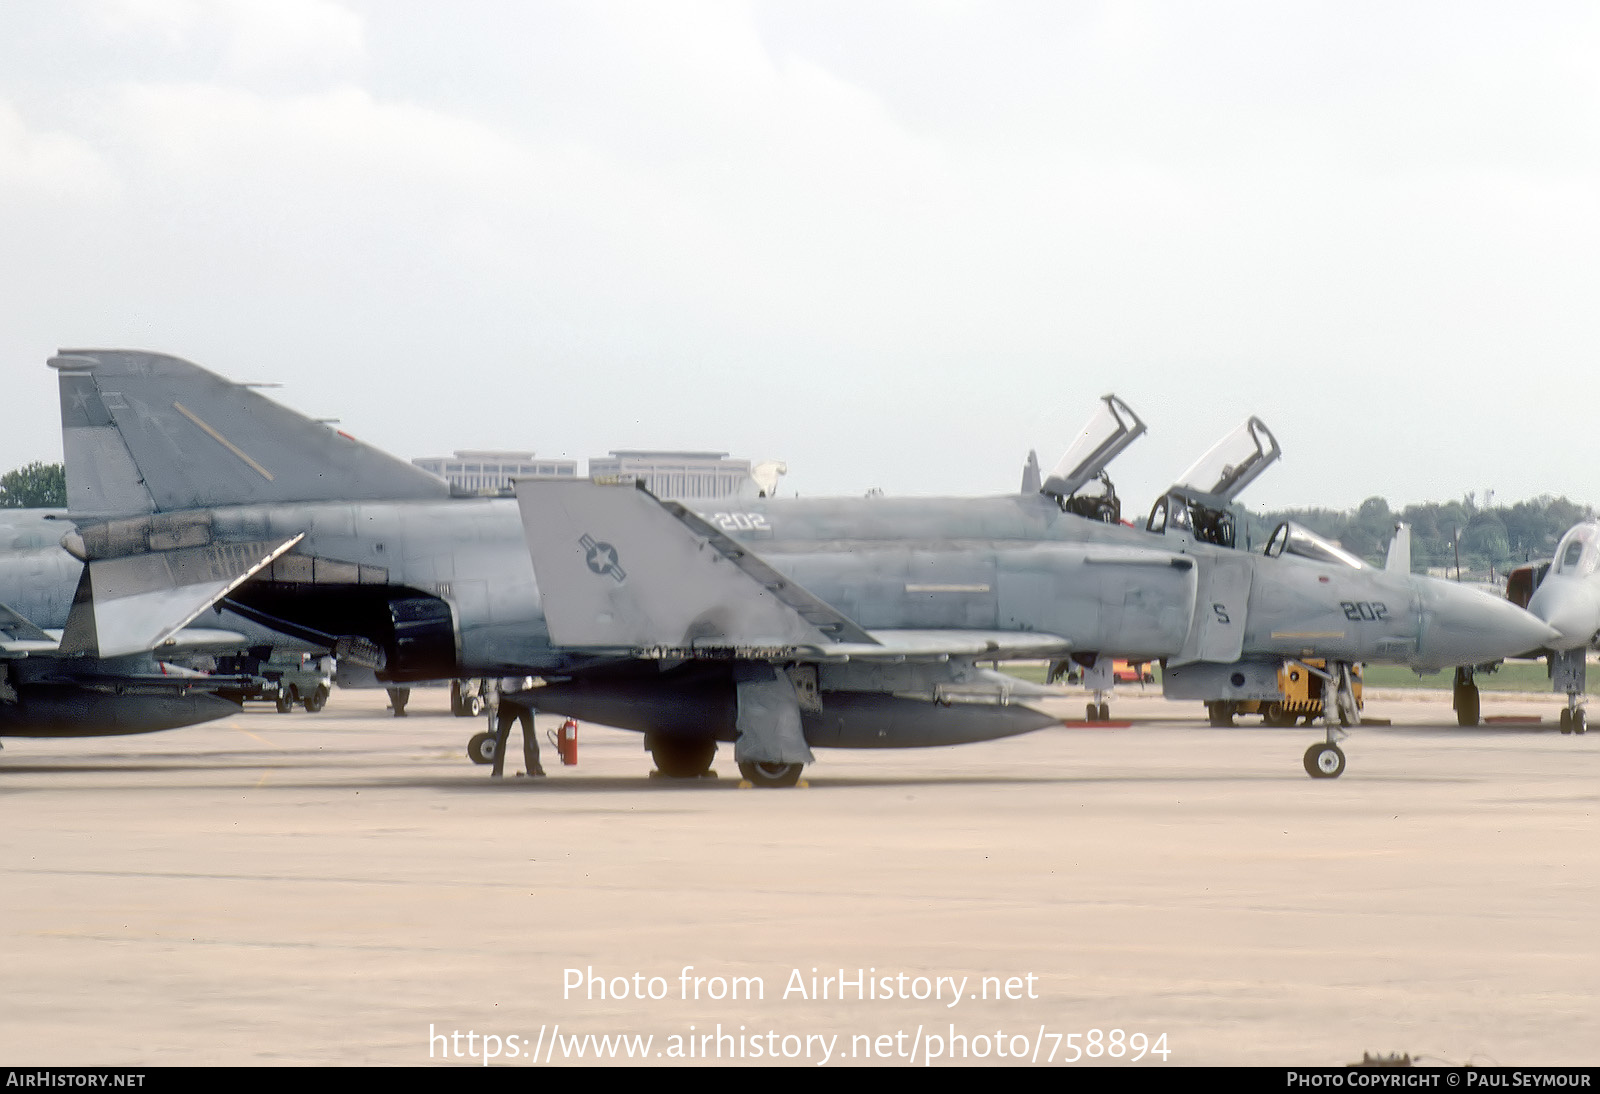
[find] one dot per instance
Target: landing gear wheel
(679, 759)
(1092, 714)
(1105, 712)
(474, 705)
(1578, 721)
(481, 748)
(1324, 761)
(1220, 712)
(1566, 721)
(1467, 705)
(771, 774)
(1275, 715)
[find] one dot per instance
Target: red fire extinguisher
(566, 741)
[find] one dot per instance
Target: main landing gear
(771, 774)
(481, 748)
(1325, 759)
(1099, 681)
(1100, 678)
(1464, 697)
(680, 758)
(1568, 673)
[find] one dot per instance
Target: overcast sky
(895, 244)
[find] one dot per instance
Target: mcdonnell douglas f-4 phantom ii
(54, 683)
(775, 624)
(1565, 593)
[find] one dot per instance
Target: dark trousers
(515, 712)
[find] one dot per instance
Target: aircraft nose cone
(1569, 607)
(1463, 626)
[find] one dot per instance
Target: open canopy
(1233, 462)
(1114, 427)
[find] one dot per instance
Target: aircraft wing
(139, 602)
(620, 570)
(43, 643)
(943, 645)
(19, 637)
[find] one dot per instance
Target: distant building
(683, 475)
(474, 471)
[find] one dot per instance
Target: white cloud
(273, 36)
(249, 38)
(49, 167)
(763, 227)
(219, 135)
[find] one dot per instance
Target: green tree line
(36, 486)
(1493, 539)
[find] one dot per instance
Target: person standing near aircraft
(513, 708)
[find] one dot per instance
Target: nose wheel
(1324, 760)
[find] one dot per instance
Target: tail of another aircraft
(147, 433)
(1398, 561)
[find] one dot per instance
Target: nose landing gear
(1568, 673)
(1325, 760)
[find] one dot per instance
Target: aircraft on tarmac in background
(777, 624)
(1565, 593)
(54, 684)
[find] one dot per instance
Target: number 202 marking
(740, 522)
(1374, 610)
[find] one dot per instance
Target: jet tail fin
(1031, 483)
(1398, 560)
(620, 569)
(144, 432)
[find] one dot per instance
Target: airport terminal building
(667, 474)
(676, 474)
(478, 471)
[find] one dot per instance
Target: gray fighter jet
(1565, 593)
(48, 691)
(776, 624)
